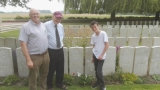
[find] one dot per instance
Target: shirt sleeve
(105, 37)
(92, 40)
(23, 35)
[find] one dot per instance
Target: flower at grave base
(73, 73)
(117, 48)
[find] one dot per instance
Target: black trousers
(56, 64)
(98, 71)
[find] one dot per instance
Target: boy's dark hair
(93, 22)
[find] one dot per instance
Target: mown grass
(14, 33)
(109, 87)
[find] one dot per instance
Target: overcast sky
(54, 5)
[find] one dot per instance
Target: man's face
(95, 28)
(35, 16)
(56, 19)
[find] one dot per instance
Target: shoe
(95, 85)
(102, 88)
(64, 87)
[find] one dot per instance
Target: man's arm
(104, 50)
(26, 54)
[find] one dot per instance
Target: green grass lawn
(109, 87)
(14, 33)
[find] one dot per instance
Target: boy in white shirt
(100, 44)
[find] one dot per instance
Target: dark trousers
(98, 71)
(56, 64)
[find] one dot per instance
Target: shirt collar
(34, 23)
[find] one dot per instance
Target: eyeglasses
(35, 14)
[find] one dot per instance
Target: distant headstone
(126, 57)
(110, 61)
(133, 41)
(115, 32)
(123, 32)
(147, 41)
(76, 61)
(154, 62)
(109, 32)
(153, 32)
(145, 32)
(6, 62)
(121, 41)
(111, 41)
(156, 41)
(141, 60)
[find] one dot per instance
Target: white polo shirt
(99, 43)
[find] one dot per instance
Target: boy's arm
(92, 57)
(104, 50)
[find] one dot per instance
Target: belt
(40, 54)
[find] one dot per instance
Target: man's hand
(30, 64)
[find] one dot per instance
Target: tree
(21, 3)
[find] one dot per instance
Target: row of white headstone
(140, 60)
(13, 43)
(121, 41)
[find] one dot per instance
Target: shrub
(139, 80)
(10, 79)
(128, 78)
(86, 80)
(156, 77)
(68, 79)
(19, 17)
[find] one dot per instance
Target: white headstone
(127, 23)
(6, 62)
(126, 57)
(158, 32)
(145, 26)
(123, 32)
(116, 26)
(23, 70)
(147, 41)
(121, 41)
(145, 32)
(115, 32)
(137, 32)
(139, 26)
(89, 65)
(111, 41)
(130, 32)
(133, 41)
(156, 41)
(133, 23)
(1, 42)
(154, 62)
(153, 32)
(109, 32)
(133, 26)
(65, 50)
(141, 60)
(76, 60)
(110, 61)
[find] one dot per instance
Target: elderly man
(55, 32)
(34, 45)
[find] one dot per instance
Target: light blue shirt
(50, 26)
